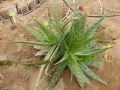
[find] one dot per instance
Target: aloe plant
(66, 45)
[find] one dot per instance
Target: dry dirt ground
(20, 78)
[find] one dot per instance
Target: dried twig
(66, 15)
(101, 8)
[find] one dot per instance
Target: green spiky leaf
(93, 37)
(78, 31)
(70, 38)
(91, 60)
(63, 58)
(57, 74)
(47, 57)
(75, 69)
(88, 52)
(90, 65)
(36, 63)
(51, 36)
(87, 71)
(90, 31)
(32, 43)
(81, 83)
(34, 32)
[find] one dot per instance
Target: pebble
(13, 26)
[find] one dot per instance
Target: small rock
(13, 26)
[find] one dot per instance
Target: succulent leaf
(57, 74)
(34, 32)
(75, 69)
(90, 65)
(79, 29)
(32, 43)
(88, 52)
(81, 83)
(36, 63)
(90, 31)
(51, 36)
(87, 71)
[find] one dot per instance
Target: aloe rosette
(67, 45)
